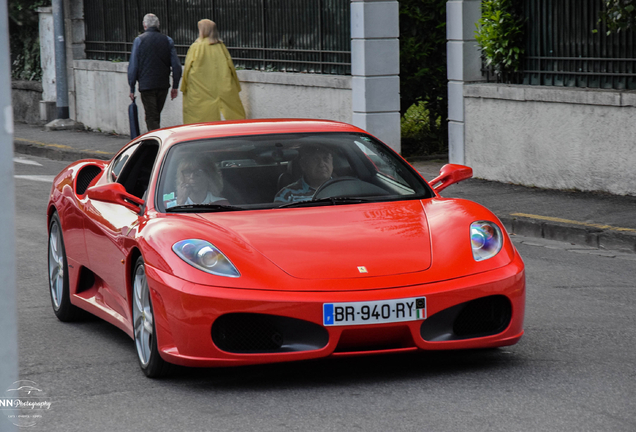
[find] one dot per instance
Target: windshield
(274, 171)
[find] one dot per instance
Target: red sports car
(263, 241)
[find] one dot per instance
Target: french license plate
(374, 312)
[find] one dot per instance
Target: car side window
(120, 161)
(135, 175)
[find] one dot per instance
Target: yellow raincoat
(210, 85)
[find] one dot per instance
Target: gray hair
(151, 20)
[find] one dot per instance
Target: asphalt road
(574, 370)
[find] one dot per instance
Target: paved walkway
(603, 221)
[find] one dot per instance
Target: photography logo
(25, 403)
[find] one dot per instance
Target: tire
(58, 274)
(144, 328)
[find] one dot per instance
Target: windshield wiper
(196, 208)
(325, 201)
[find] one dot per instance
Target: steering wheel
(328, 184)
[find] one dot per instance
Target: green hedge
(423, 80)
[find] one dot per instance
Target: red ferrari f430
(262, 241)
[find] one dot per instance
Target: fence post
(375, 68)
(463, 65)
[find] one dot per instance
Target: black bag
(133, 117)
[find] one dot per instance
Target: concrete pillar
(75, 44)
(463, 65)
(375, 68)
(8, 309)
(68, 40)
(47, 61)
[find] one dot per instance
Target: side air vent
(85, 177)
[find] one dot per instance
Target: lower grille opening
(249, 333)
(484, 316)
(374, 339)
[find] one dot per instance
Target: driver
(316, 163)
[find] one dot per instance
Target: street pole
(61, 83)
(8, 316)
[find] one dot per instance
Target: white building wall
(101, 96)
(549, 137)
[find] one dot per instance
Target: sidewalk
(588, 219)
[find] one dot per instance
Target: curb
(605, 239)
(57, 152)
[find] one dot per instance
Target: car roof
(197, 131)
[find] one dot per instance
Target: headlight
(205, 256)
(485, 239)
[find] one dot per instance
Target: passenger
(316, 163)
(198, 182)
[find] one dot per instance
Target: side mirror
(115, 193)
(450, 174)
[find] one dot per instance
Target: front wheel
(150, 361)
(58, 274)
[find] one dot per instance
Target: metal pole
(60, 60)
(8, 316)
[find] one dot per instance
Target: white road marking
(40, 178)
(25, 161)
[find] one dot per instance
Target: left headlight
(205, 256)
(485, 239)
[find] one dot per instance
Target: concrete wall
(101, 96)
(549, 137)
(25, 99)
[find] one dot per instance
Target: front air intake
(484, 316)
(249, 333)
(481, 317)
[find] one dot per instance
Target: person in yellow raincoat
(210, 85)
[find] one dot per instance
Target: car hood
(335, 242)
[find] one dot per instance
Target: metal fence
(275, 35)
(563, 49)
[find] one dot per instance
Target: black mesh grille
(483, 316)
(85, 177)
(260, 333)
(246, 333)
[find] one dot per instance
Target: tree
(24, 38)
(619, 15)
(500, 36)
(423, 80)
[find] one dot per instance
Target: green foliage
(423, 80)
(420, 132)
(618, 15)
(24, 39)
(500, 36)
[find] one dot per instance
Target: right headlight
(205, 256)
(486, 239)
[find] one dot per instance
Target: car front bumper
(185, 314)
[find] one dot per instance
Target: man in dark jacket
(153, 55)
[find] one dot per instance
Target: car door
(109, 227)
